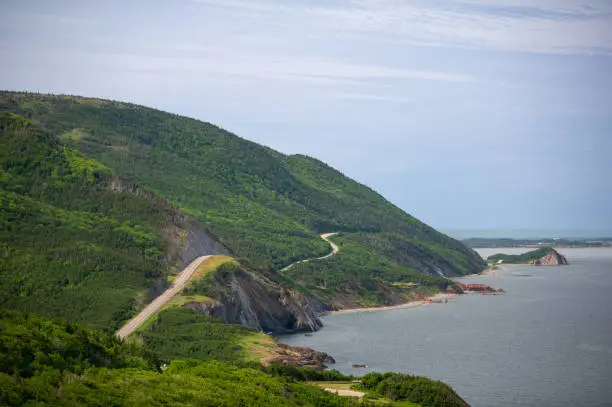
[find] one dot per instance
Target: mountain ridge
(266, 208)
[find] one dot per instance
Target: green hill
(266, 208)
(46, 362)
(71, 247)
(101, 202)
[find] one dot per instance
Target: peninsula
(546, 256)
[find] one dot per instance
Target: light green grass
(211, 264)
(258, 347)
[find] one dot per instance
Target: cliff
(546, 256)
(550, 259)
(241, 296)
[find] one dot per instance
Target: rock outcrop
(551, 259)
(244, 297)
(483, 288)
(298, 356)
(185, 239)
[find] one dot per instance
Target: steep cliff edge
(241, 296)
(546, 256)
(551, 259)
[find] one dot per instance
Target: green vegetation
(211, 265)
(43, 362)
(266, 207)
(31, 345)
(71, 247)
(415, 389)
(524, 258)
(88, 191)
(183, 333)
(363, 279)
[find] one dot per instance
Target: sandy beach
(487, 272)
(413, 304)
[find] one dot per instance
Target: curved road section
(324, 236)
(177, 286)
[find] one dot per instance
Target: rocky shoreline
(299, 356)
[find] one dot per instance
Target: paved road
(177, 286)
(324, 236)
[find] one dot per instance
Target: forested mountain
(102, 202)
(266, 208)
(70, 246)
(80, 243)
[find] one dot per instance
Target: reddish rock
(551, 259)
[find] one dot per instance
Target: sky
(491, 114)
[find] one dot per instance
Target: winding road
(324, 236)
(183, 278)
(177, 286)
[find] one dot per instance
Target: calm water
(546, 342)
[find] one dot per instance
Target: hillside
(80, 243)
(543, 256)
(46, 362)
(263, 207)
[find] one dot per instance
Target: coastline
(413, 304)
(486, 272)
(437, 298)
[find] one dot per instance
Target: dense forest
(96, 203)
(69, 246)
(266, 207)
(46, 362)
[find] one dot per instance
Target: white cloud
(230, 62)
(543, 26)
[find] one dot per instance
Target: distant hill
(543, 256)
(529, 234)
(264, 208)
(482, 242)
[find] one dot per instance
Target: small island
(546, 256)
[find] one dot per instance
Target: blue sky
(467, 114)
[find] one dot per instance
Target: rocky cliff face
(551, 259)
(241, 297)
(244, 297)
(185, 239)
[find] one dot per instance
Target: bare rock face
(302, 357)
(247, 298)
(551, 259)
(240, 297)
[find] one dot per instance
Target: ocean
(546, 342)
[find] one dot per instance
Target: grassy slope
(266, 207)
(183, 333)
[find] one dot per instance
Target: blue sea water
(546, 342)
